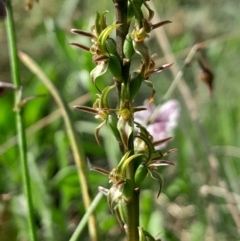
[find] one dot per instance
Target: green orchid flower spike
(140, 155)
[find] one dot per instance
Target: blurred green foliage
(199, 201)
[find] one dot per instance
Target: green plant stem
(86, 216)
(132, 209)
(121, 32)
(19, 121)
(132, 206)
(73, 138)
(121, 17)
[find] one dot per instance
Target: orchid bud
(127, 190)
(140, 174)
(130, 12)
(128, 49)
(136, 80)
(115, 67)
(122, 211)
(111, 46)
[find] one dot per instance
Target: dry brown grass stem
(184, 52)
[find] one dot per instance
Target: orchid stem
(121, 32)
(132, 206)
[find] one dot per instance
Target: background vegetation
(201, 195)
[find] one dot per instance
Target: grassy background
(200, 199)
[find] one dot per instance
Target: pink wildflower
(159, 122)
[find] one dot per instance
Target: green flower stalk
(140, 155)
